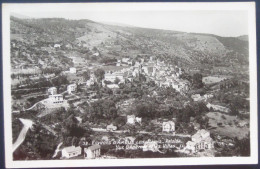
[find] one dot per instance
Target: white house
(218, 108)
(125, 60)
(55, 101)
(73, 70)
(57, 46)
(168, 126)
(57, 98)
(72, 151)
(71, 88)
(111, 127)
(131, 119)
(118, 63)
(138, 120)
(113, 86)
(135, 72)
(90, 82)
(96, 54)
(52, 91)
(200, 141)
(92, 151)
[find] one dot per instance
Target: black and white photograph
(122, 84)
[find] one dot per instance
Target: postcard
(129, 84)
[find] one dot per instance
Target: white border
(248, 6)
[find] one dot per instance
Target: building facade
(168, 126)
(200, 141)
(52, 91)
(72, 151)
(92, 151)
(71, 88)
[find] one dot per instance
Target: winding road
(27, 124)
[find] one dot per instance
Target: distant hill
(20, 16)
(243, 37)
(120, 41)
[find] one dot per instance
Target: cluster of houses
(90, 152)
(164, 75)
(57, 100)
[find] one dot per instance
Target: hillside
(36, 38)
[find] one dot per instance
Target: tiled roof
(72, 149)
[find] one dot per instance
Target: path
(27, 125)
(33, 105)
(57, 150)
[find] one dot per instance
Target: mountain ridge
(174, 46)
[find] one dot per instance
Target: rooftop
(94, 147)
(72, 149)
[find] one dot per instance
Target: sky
(228, 23)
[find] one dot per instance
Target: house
(138, 120)
(197, 97)
(96, 54)
(113, 76)
(111, 127)
(57, 46)
(118, 63)
(200, 141)
(52, 91)
(125, 60)
(105, 138)
(207, 96)
(71, 88)
(73, 70)
(113, 86)
(90, 82)
(218, 108)
(92, 151)
(55, 101)
(168, 126)
(131, 119)
(151, 146)
(72, 151)
(57, 98)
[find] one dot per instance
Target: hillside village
(87, 90)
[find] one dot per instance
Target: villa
(92, 151)
(200, 141)
(72, 151)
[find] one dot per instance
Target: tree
(120, 121)
(99, 73)
(117, 80)
(243, 146)
(233, 109)
(197, 81)
(203, 121)
(75, 141)
(86, 75)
